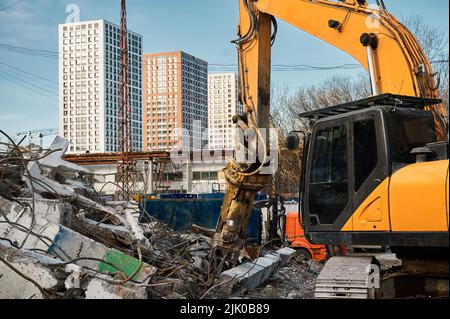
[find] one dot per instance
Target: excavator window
(409, 129)
(329, 174)
(365, 150)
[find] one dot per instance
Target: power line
(19, 78)
(297, 67)
(214, 67)
(11, 78)
(28, 51)
(217, 66)
(11, 5)
(18, 83)
(30, 74)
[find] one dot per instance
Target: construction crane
(374, 172)
(39, 134)
(126, 167)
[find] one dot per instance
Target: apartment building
(89, 68)
(175, 90)
(223, 104)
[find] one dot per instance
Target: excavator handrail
(387, 99)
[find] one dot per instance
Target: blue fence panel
(180, 214)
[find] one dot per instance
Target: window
(197, 176)
(214, 176)
(329, 174)
(409, 129)
(365, 148)
(205, 176)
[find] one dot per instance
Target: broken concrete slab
(40, 181)
(51, 210)
(45, 271)
(244, 276)
(56, 239)
(275, 257)
(56, 152)
(251, 275)
(286, 254)
(111, 233)
(30, 264)
(99, 289)
(269, 264)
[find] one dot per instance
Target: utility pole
(125, 166)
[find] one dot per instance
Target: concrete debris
(73, 280)
(294, 281)
(286, 254)
(251, 275)
(99, 289)
(55, 154)
(132, 223)
(45, 277)
(30, 264)
(59, 240)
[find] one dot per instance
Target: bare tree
(287, 105)
(434, 42)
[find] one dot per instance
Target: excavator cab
(352, 185)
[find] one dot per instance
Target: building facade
(175, 100)
(223, 104)
(195, 176)
(89, 68)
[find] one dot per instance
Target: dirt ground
(294, 281)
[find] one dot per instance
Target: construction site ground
(294, 281)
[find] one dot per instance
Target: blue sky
(203, 28)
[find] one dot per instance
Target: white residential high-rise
(89, 68)
(223, 104)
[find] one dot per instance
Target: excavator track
(382, 276)
(347, 278)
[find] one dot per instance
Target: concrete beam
(286, 254)
(251, 275)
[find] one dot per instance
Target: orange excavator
(374, 172)
(295, 235)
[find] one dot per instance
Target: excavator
(374, 171)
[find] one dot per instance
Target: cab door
(347, 175)
(370, 193)
(327, 199)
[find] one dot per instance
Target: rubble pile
(58, 240)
